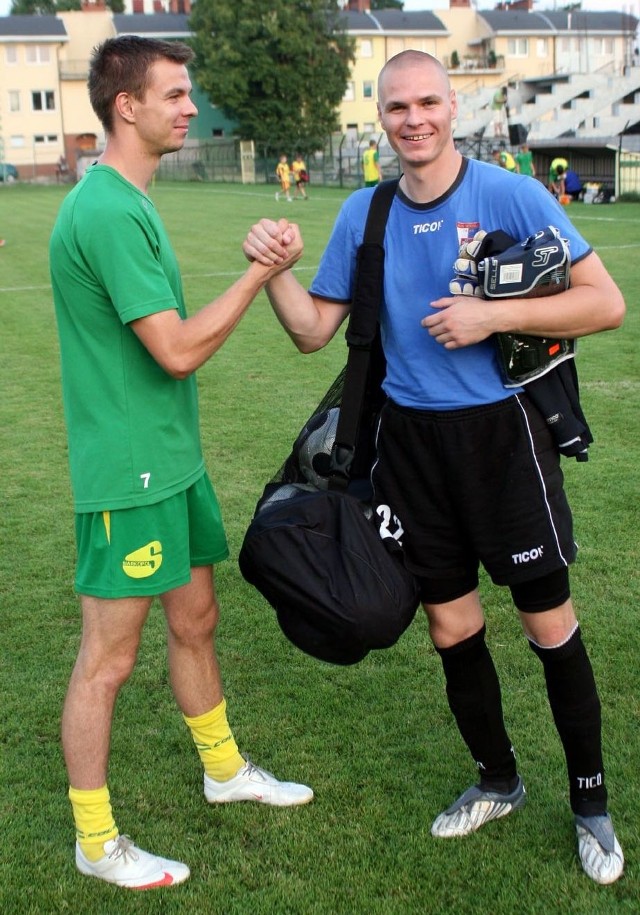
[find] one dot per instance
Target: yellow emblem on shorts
(143, 562)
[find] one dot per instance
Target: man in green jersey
(147, 519)
(524, 160)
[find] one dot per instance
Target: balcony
(474, 63)
(73, 69)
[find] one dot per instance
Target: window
(368, 127)
(541, 47)
(11, 54)
(48, 139)
(43, 100)
(518, 47)
(366, 47)
(604, 46)
(37, 54)
(349, 92)
(14, 100)
(16, 141)
(367, 88)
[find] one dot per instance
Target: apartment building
(45, 112)
(484, 50)
(567, 72)
(31, 128)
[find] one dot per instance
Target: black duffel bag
(338, 589)
(313, 549)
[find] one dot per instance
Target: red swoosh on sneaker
(167, 880)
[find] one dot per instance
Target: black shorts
(464, 487)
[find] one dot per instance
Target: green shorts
(141, 552)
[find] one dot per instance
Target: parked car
(8, 172)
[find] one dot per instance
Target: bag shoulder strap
(363, 332)
(367, 293)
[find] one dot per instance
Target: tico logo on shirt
(143, 562)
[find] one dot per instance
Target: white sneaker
(254, 784)
(277, 195)
(126, 865)
(598, 849)
(476, 807)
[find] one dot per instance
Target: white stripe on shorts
(541, 478)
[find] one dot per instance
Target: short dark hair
(122, 65)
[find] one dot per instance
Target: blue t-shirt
(421, 244)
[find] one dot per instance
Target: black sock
(575, 706)
(473, 691)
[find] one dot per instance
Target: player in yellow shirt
(300, 176)
(284, 176)
(371, 165)
(557, 170)
(504, 159)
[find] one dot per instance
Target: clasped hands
(274, 244)
(462, 319)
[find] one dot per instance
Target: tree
(278, 68)
(33, 8)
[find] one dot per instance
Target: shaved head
(417, 108)
(407, 59)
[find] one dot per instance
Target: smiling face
(162, 116)
(416, 107)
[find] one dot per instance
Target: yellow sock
(94, 820)
(215, 743)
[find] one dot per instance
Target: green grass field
(376, 740)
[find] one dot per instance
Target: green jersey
(525, 162)
(133, 429)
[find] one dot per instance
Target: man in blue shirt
(466, 471)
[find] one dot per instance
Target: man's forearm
(310, 322)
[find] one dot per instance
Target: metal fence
(340, 163)
(228, 160)
(629, 176)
